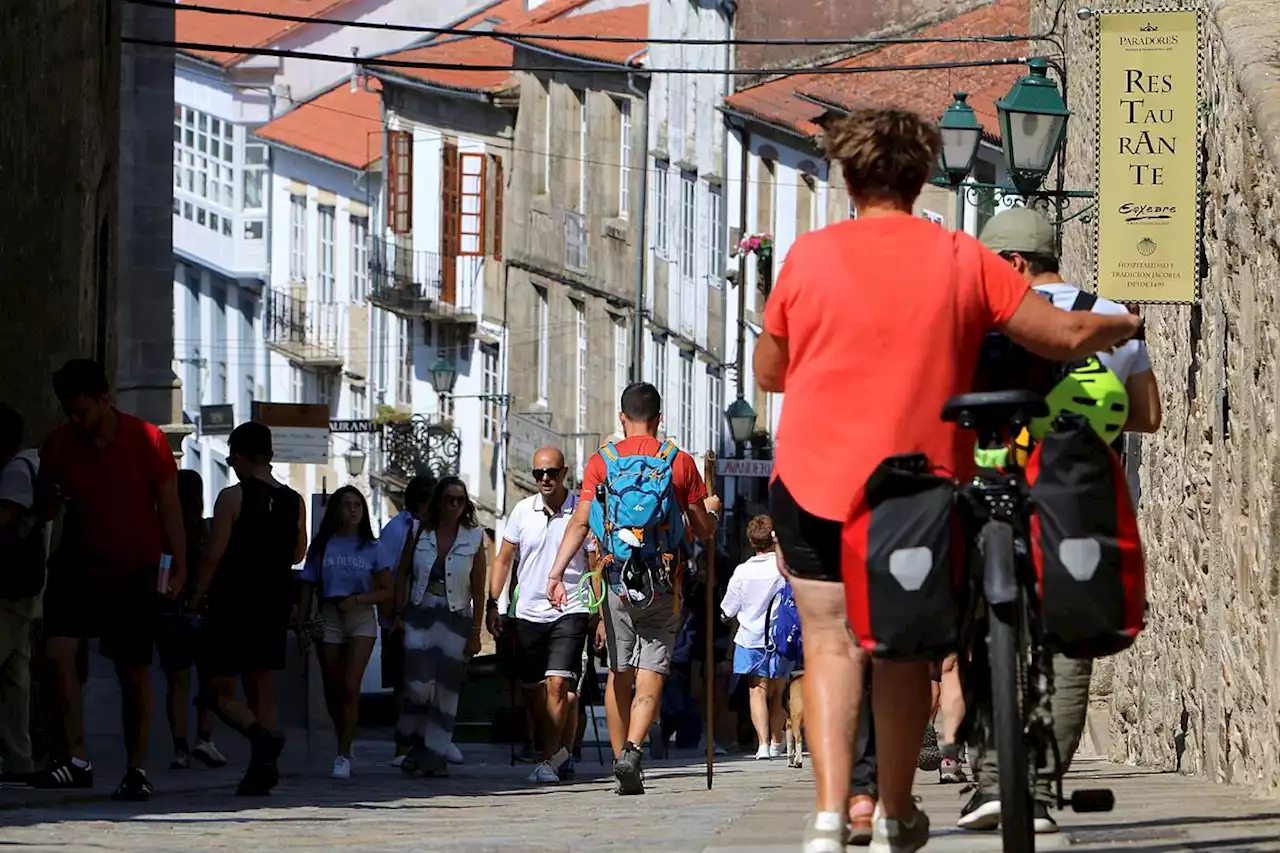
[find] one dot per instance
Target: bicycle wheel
(1004, 653)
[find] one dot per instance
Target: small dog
(793, 704)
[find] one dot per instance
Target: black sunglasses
(454, 499)
(539, 473)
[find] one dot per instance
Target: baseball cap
(1019, 230)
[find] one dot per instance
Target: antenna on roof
(357, 72)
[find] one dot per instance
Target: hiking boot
(899, 836)
(64, 774)
(628, 772)
(930, 756)
(134, 787)
(981, 813)
(826, 832)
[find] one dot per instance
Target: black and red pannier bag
(1085, 544)
(901, 553)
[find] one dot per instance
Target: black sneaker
(134, 787)
(930, 756)
(64, 774)
(263, 773)
(627, 770)
(1041, 820)
(981, 813)
(267, 749)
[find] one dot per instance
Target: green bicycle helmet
(1093, 391)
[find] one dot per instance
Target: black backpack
(22, 557)
(1006, 366)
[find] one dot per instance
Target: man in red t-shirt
(639, 640)
(116, 476)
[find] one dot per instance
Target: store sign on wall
(1148, 222)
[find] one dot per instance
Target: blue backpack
(784, 627)
(637, 521)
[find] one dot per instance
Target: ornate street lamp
(355, 461)
(443, 372)
(1033, 125)
(961, 136)
(742, 420)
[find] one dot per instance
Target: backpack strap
(668, 452)
(1084, 301)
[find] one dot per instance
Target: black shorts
(545, 649)
(232, 642)
(810, 545)
(122, 612)
(392, 659)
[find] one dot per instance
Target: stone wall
(1199, 692)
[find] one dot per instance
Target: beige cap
(1019, 230)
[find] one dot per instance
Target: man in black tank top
(246, 576)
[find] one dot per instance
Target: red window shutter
(400, 181)
(499, 188)
(450, 221)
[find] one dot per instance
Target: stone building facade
(1200, 693)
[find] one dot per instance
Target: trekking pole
(708, 667)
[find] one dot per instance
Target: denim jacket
(457, 567)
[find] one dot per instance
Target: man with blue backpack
(643, 500)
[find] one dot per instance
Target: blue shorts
(760, 662)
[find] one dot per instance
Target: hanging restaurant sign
(1148, 155)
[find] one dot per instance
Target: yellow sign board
(1148, 137)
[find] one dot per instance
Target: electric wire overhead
(517, 35)
(599, 67)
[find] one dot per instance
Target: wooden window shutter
(400, 181)
(499, 190)
(450, 221)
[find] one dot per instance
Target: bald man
(548, 642)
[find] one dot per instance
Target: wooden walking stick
(708, 666)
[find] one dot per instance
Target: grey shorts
(641, 639)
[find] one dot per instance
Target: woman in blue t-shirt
(343, 571)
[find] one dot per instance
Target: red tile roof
(552, 17)
(926, 91)
(191, 25)
(339, 125)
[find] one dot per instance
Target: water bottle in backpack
(638, 522)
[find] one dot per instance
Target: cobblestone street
(487, 806)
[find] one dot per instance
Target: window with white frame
(544, 344)
(444, 405)
(246, 398)
(624, 158)
(299, 382)
(716, 257)
(327, 221)
(298, 238)
(220, 347)
(620, 365)
(581, 97)
(326, 390)
(688, 225)
(359, 258)
(686, 401)
(489, 373)
(580, 327)
(254, 186)
(660, 364)
(359, 402)
(661, 170)
(715, 409)
(203, 168)
(404, 392)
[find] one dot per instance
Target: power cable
(578, 37)
(380, 62)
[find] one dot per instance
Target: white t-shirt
(17, 486)
(537, 531)
(752, 589)
(1127, 360)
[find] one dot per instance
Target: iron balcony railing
(420, 445)
(309, 331)
(417, 282)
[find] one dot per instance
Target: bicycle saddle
(994, 409)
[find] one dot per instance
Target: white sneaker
(777, 750)
(341, 768)
(764, 753)
(398, 760)
(208, 754)
(454, 755)
(544, 774)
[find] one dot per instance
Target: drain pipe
(743, 185)
(637, 311)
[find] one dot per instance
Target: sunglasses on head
(539, 473)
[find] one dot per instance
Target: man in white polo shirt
(548, 642)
